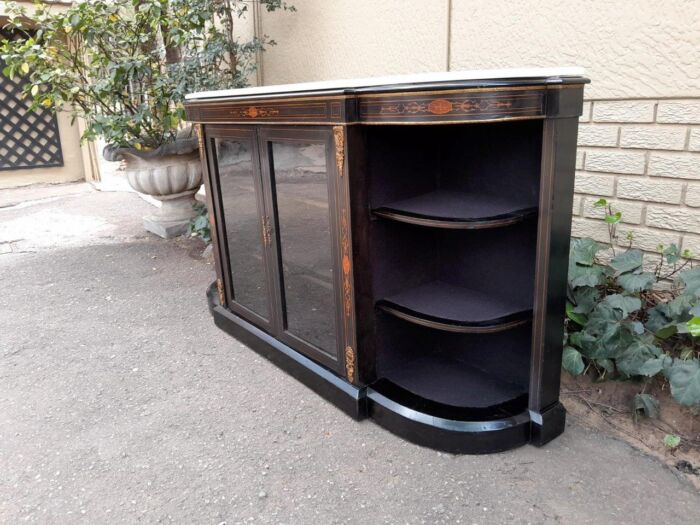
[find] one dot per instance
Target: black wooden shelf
(457, 210)
(452, 308)
(446, 387)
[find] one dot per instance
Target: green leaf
(666, 331)
(202, 221)
(672, 441)
(606, 364)
(600, 203)
(577, 318)
(574, 338)
(627, 261)
(632, 359)
(583, 251)
(636, 282)
(623, 303)
(645, 405)
(637, 327)
(614, 218)
(572, 361)
(590, 276)
(672, 254)
(684, 377)
(691, 281)
(655, 365)
(694, 326)
(585, 299)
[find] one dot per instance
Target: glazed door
(243, 225)
(300, 181)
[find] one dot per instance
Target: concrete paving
(120, 402)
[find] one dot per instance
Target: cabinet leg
(547, 424)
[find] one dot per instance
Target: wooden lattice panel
(28, 139)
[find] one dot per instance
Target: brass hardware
(350, 363)
(267, 231)
(200, 138)
(220, 289)
(339, 138)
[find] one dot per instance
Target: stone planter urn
(171, 174)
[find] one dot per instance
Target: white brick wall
(643, 156)
(624, 111)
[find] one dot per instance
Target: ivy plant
(631, 320)
(199, 226)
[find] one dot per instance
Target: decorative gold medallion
(440, 106)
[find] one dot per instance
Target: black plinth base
(342, 394)
(439, 430)
(547, 424)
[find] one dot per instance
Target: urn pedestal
(173, 180)
(172, 175)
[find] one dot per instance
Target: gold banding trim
(378, 123)
(262, 100)
(489, 329)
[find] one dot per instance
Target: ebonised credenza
(400, 245)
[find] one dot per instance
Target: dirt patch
(607, 406)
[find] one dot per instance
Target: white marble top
(452, 76)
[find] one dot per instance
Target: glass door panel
(303, 203)
(242, 210)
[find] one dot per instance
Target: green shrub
(199, 225)
(627, 322)
(125, 65)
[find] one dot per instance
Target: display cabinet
(400, 245)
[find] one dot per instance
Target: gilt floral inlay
(345, 250)
(350, 363)
(339, 139)
(253, 112)
(220, 289)
(442, 106)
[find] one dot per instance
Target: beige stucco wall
(630, 48)
(340, 39)
(639, 140)
(72, 168)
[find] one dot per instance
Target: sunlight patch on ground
(54, 228)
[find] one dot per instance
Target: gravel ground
(120, 402)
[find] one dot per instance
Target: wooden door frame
(305, 135)
(242, 134)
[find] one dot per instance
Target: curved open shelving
(435, 384)
(453, 308)
(457, 210)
